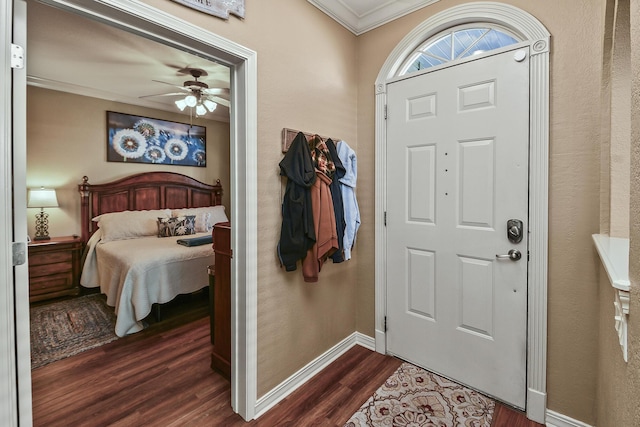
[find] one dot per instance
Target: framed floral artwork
(136, 139)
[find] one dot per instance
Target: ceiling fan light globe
(210, 105)
(181, 104)
(200, 110)
(191, 101)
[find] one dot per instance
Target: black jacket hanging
(297, 234)
(336, 194)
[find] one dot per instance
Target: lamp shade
(200, 110)
(42, 198)
(181, 104)
(191, 100)
(210, 105)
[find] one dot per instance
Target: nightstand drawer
(50, 269)
(50, 258)
(49, 284)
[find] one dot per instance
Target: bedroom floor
(161, 377)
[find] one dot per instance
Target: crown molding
(361, 22)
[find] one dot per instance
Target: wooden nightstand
(54, 268)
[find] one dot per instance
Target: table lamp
(42, 198)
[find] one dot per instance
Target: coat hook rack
(288, 135)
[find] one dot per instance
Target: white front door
(457, 173)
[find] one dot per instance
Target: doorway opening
(155, 25)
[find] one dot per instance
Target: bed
(124, 255)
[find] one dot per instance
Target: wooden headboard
(144, 191)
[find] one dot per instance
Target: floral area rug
(65, 328)
(413, 397)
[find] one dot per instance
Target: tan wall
(612, 368)
(306, 81)
(576, 57)
(620, 123)
(619, 382)
(67, 139)
(631, 412)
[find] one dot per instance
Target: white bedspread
(136, 273)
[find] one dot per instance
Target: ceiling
(73, 54)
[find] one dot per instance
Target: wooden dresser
(54, 268)
(221, 301)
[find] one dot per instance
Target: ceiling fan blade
(163, 94)
(171, 84)
(219, 100)
(216, 91)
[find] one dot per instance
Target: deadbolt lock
(514, 230)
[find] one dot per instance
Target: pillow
(176, 226)
(130, 224)
(204, 222)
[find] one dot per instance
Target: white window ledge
(614, 253)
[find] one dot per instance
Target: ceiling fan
(196, 94)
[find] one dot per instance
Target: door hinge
(17, 56)
(528, 255)
(385, 323)
(385, 218)
(385, 111)
(19, 251)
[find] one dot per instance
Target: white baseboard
(555, 419)
(536, 405)
(365, 341)
(289, 385)
(381, 342)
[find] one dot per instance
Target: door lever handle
(513, 255)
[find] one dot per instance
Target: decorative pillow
(204, 222)
(176, 226)
(130, 224)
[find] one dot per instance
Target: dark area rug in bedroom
(64, 328)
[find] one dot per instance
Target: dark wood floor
(161, 377)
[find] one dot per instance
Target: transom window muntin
(456, 43)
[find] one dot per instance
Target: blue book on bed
(196, 241)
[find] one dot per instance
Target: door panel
(457, 172)
(476, 296)
(422, 177)
(421, 291)
(477, 183)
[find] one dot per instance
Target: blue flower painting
(135, 139)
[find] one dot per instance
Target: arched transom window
(456, 43)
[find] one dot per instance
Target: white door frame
(11, 392)
(533, 32)
(147, 21)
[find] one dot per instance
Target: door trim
(9, 411)
(152, 23)
(533, 33)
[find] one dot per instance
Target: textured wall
(619, 382)
(576, 46)
(620, 123)
(632, 409)
(307, 81)
(64, 144)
